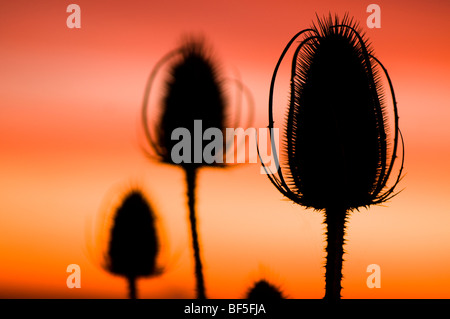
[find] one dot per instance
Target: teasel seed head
(339, 147)
(133, 246)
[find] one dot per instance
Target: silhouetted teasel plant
(193, 90)
(264, 290)
(133, 243)
(338, 144)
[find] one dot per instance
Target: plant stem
(132, 287)
(191, 175)
(335, 219)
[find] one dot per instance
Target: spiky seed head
(263, 290)
(337, 134)
(133, 245)
(193, 91)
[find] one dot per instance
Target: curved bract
(339, 147)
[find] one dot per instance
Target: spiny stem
(191, 174)
(335, 219)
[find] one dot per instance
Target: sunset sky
(71, 145)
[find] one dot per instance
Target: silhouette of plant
(263, 290)
(133, 245)
(340, 149)
(193, 91)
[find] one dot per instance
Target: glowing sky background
(70, 140)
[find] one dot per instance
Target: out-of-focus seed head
(193, 91)
(133, 245)
(263, 290)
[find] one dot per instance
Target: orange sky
(69, 138)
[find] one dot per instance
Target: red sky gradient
(70, 141)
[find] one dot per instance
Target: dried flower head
(337, 135)
(263, 290)
(193, 92)
(133, 245)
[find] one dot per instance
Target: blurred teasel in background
(193, 90)
(133, 245)
(339, 142)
